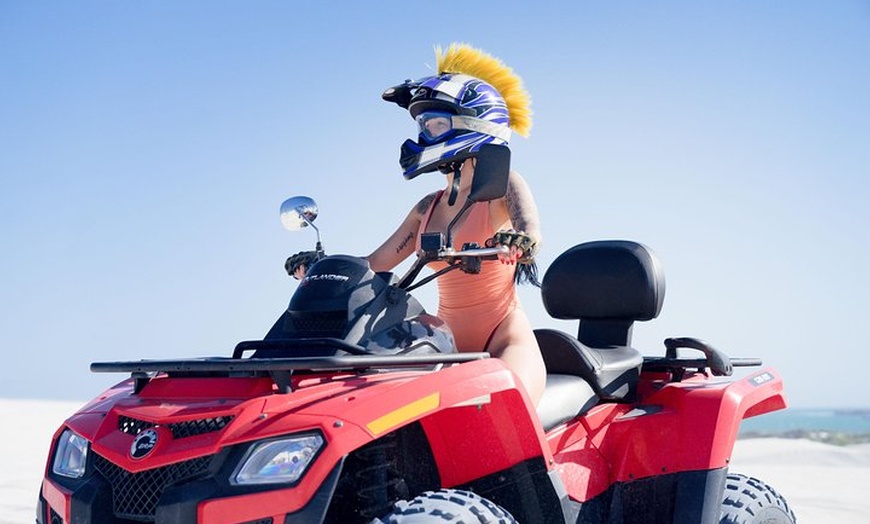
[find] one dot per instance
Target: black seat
(565, 397)
(607, 286)
(612, 373)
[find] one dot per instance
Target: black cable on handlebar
(432, 277)
(409, 277)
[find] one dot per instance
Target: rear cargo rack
(719, 364)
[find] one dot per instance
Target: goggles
(435, 125)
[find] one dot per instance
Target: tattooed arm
(402, 243)
(520, 208)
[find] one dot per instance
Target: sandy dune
(822, 483)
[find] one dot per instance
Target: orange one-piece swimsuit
(473, 305)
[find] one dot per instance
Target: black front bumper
(93, 501)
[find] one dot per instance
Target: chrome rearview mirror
(298, 212)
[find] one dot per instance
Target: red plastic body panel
(677, 426)
(477, 426)
(57, 498)
(476, 418)
(469, 442)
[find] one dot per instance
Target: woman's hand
(521, 246)
(297, 265)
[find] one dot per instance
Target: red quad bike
(356, 408)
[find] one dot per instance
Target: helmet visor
(434, 124)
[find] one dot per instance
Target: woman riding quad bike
(357, 406)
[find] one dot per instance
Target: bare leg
(514, 343)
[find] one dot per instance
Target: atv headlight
(280, 461)
(71, 455)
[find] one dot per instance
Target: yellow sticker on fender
(404, 414)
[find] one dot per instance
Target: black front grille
(188, 428)
(135, 495)
(198, 427)
(131, 426)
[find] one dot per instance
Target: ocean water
(851, 421)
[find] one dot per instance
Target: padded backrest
(606, 279)
(607, 285)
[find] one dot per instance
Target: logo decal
(143, 444)
(331, 277)
(760, 379)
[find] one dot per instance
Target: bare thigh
(513, 341)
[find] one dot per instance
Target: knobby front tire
(447, 506)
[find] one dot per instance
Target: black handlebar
(463, 259)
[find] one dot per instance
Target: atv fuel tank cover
(330, 283)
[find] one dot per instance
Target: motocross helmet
(473, 100)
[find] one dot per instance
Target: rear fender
(684, 426)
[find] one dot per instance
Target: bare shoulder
(425, 203)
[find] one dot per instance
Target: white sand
(822, 483)
(27, 431)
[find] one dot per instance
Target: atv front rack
(280, 369)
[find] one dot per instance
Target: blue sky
(145, 148)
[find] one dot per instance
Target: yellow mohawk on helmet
(466, 60)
